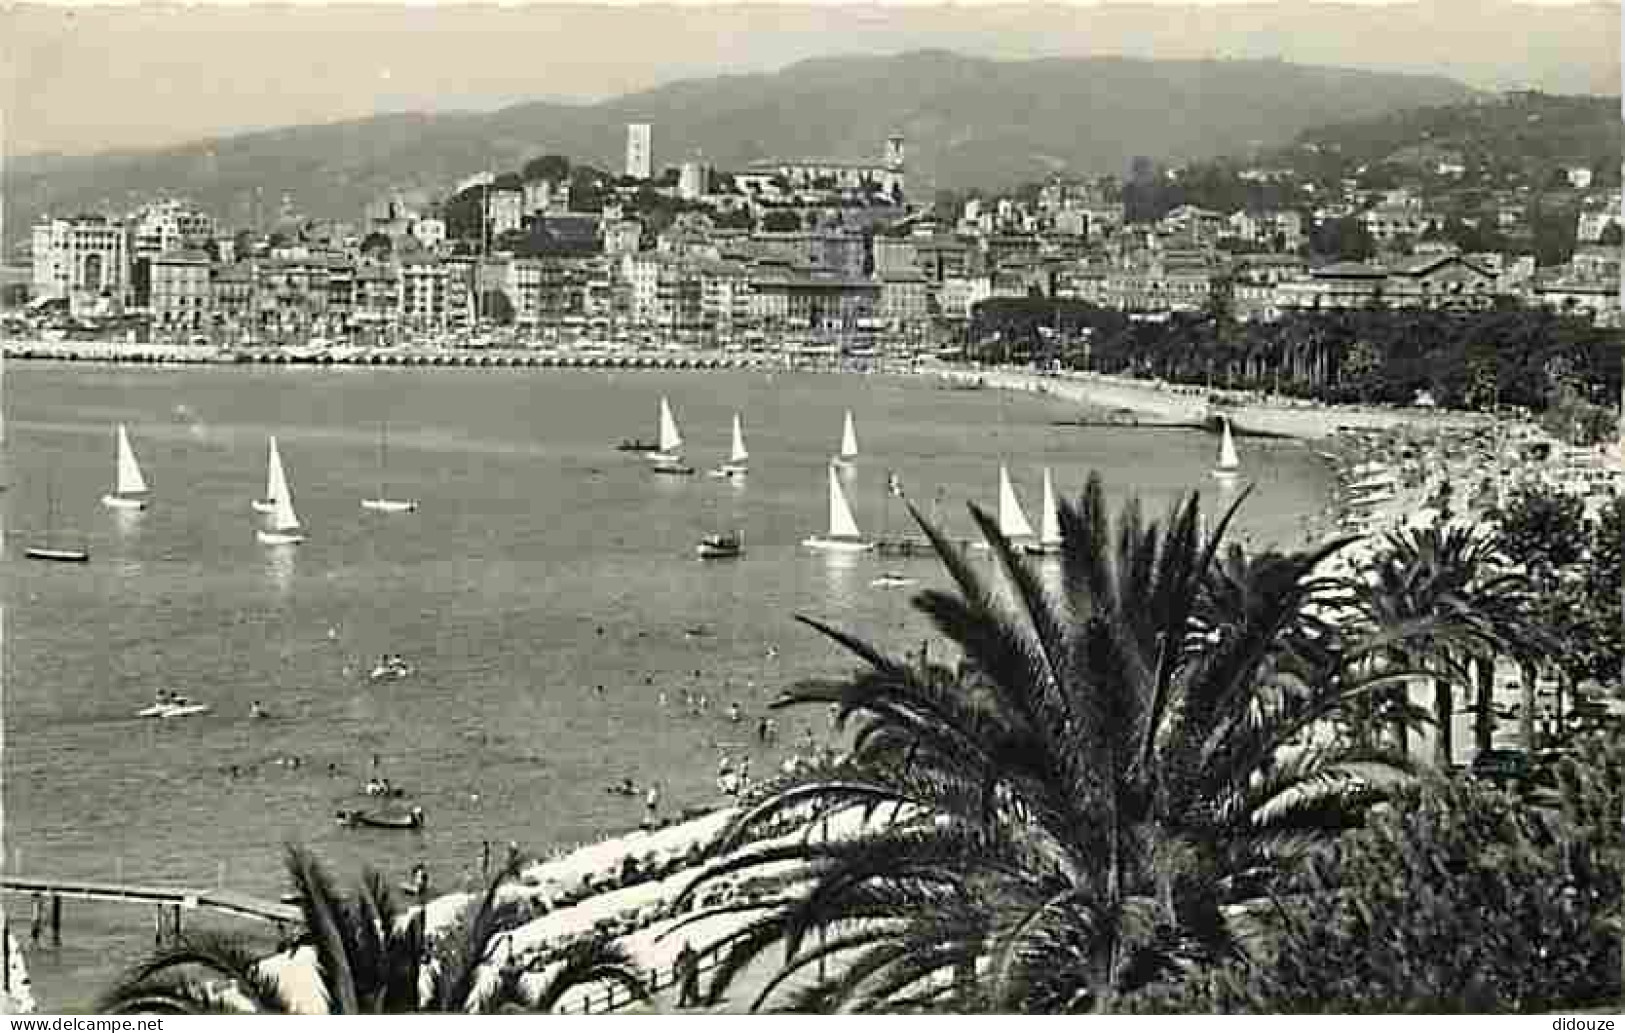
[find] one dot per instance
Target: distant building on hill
(639, 150)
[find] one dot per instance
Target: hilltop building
(886, 175)
(639, 150)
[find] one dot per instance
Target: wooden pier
(169, 903)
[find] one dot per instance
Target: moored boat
(50, 551)
(390, 668)
(383, 503)
(355, 817)
(172, 704)
(890, 580)
(721, 546)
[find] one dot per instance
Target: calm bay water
(541, 565)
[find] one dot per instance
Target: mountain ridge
(969, 122)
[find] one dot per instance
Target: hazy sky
(80, 79)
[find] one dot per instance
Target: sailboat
(737, 456)
(49, 551)
(383, 503)
(1229, 463)
(276, 482)
(129, 485)
(1012, 518)
(284, 528)
(1049, 525)
(669, 457)
(671, 440)
(849, 443)
(844, 535)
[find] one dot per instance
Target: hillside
(1530, 132)
(969, 122)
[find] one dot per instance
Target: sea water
(546, 591)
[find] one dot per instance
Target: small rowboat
(355, 818)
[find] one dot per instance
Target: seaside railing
(617, 998)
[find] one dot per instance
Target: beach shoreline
(1180, 405)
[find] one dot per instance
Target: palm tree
(1452, 578)
(1130, 760)
(369, 958)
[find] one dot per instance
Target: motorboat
(672, 466)
(903, 547)
(356, 818)
(637, 445)
(390, 668)
(183, 707)
(721, 546)
(169, 705)
(890, 580)
(129, 487)
(46, 552)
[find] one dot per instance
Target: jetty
(169, 902)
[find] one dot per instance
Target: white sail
(130, 481)
(1228, 460)
(276, 481)
(283, 518)
(841, 524)
(738, 455)
(670, 439)
(1049, 531)
(849, 439)
(1012, 521)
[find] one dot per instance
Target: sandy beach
(1178, 404)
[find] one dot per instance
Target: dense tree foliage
(551, 167)
(1128, 755)
(1456, 900)
(1579, 563)
(1509, 354)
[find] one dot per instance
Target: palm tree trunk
(1484, 718)
(1444, 707)
(1526, 712)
